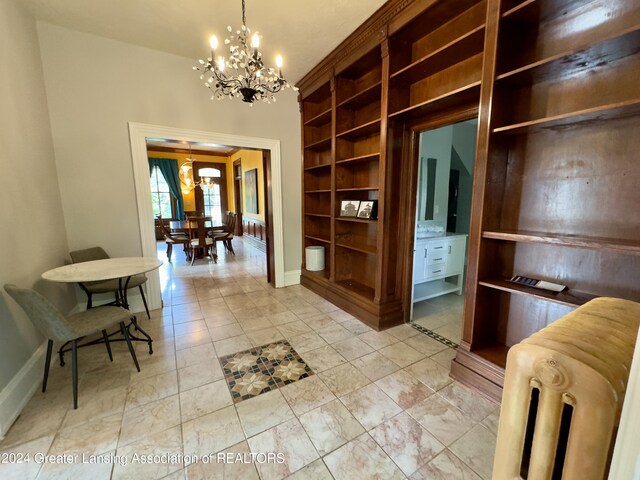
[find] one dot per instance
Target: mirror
(427, 188)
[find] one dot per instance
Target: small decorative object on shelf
(368, 209)
(535, 283)
(349, 208)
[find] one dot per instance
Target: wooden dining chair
(60, 328)
(174, 238)
(199, 241)
(226, 236)
(106, 286)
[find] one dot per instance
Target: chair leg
(89, 302)
(74, 372)
(47, 364)
(144, 300)
(169, 250)
(123, 329)
(107, 344)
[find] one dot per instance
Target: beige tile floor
(443, 315)
(381, 405)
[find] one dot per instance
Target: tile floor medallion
(261, 369)
(242, 368)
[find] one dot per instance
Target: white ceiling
(303, 31)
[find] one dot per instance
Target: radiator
(563, 392)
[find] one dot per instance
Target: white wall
(33, 237)
(96, 85)
(625, 463)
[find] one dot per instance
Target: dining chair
(192, 214)
(60, 328)
(227, 235)
(199, 241)
(173, 238)
(106, 286)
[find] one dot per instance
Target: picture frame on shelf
(368, 209)
(349, 208)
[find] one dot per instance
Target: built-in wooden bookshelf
(555, 179)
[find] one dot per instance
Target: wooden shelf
(576, 60)
(360, 158)
(323, 274)
(320, 144)
(356, 220)
(369, 250)
(357, 189)
(319, 238)
(316, 167)
(360, 99)
(496, 354)
(586, 116)
(357, 288)
(541, 11)
(570, 298)
(363, 130)
(462, 47)
(322, 215)
(323, 190)
(458, 96)
(629, 247)
(320, 119)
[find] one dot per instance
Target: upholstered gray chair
(106, 286)
(57, 327)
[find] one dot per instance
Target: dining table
(184, 226)
(120, 268)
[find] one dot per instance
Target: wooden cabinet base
(378, 316)
(479, 374)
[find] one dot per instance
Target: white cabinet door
(456, 250)
(419, 262)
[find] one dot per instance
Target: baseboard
(292, 277)
(14, 397)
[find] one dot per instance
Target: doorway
(237, 194)
(444, 184)
(139, 133)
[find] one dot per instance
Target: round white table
(98, 270)
(122, 268)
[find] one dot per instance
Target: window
(163, 203)
(213, 202)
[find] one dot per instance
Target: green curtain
(169, 169)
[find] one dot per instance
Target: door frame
(411, 156)
(138, 134)
(237, 195)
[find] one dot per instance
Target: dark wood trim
(378, 316)
(410, 165)
(237, 194)
(268, 216)
(186, 151)
(199, 198)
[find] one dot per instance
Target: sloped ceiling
(303, 31)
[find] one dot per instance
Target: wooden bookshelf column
(555, 194)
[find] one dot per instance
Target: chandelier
(243, 74)
(207, 175)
